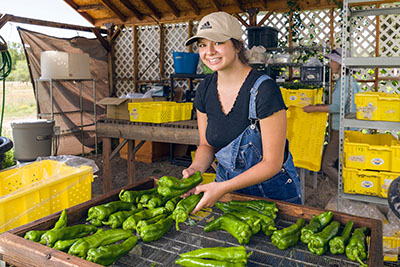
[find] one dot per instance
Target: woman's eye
(201, 45)
(219, 43)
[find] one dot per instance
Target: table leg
(107, 172)
(131, 162)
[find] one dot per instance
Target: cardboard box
(117, 108)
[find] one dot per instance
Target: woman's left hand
(212, 193)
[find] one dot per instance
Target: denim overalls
(246, 151)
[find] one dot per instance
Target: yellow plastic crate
(39, 189)
(306, 135)
(302, 97)
(371, 151)
(361, 182)
(386, 180)
(159, 111)
(391, 248)
(377, 106)
(208, 177)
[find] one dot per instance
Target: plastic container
(159, 111)
(185, 62)
(5, 145)
(306, 135)
(386, 179)
(32, 138)
(380, 152)
(377, 106)
(302, 97)
(39, 189)
(311, 74)
(361, 182)
(265, 36)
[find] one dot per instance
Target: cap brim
(334, 57)
(215, 37)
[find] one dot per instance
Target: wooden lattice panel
(148, 53)
(316, 28)
(123, 62)
(279, 21)
(175, 37)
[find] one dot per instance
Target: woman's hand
(309, 108)
(212, 193)
(188, 172)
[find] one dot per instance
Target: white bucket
(32, 139)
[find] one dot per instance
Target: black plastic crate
(311, 74)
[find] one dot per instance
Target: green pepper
(338, 243)
(69, 232)
(267, 223)
(134, 196)
(107, 255)
(155, 231)
(143, 223)
(194, 262)
(131, 221)
(229, 207)
(117, 219)
(288, 236)
(356, 249)
(251, 220)
(156, 201)
(172, 187)
(64, 245)
(233, 225)
(35, 235)
(319, 241)
(260, 205)
(100, 238)
(100, 213)
(184, 207)
(171, 204)
(232, 254)
(316, 224)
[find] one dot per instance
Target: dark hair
(242, 51)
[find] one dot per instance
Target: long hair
(242, 51)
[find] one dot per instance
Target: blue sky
(50, 10)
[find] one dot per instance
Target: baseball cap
(336, 55)
(217, 27)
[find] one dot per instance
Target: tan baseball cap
(217, 27)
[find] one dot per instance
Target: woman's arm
(273, 134)
(316, 108)
(204, 153)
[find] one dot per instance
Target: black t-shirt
(223, 129)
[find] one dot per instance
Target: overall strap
(253, 94)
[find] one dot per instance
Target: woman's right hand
(188, 172)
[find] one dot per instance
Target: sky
(50, 10)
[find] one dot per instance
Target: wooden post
(131, 162)
(107, 173)
(190, 34)
(161, 50)
(110, 63)
(135, 57)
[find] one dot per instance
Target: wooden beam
(117, 32)
(190, 34)
(85, 8)
(194, 7)
(173, 8)
(72, 4)
(4, 19)
(241, 20)
(259, 24)
(239, 5)
(135, 57)
(263, 3)
(132, 8)
(162, 52)
(152, 8)
(113, 9)
(51, 24)
(216, 5)
(103, 42)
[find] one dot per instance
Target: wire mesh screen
(191, 236)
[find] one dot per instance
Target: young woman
(331, 153)
(241, 120)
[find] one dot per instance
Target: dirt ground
(317, 197)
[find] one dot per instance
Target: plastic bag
(256, 54)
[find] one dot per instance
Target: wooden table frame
(184, 132)
(18, 251)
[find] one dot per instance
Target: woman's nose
(210, 49)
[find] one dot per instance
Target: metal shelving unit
(348, 120)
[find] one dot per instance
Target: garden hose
(5, 70)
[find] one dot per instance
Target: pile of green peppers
(170, 186)
(215, 256)
(288, 236)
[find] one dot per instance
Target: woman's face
(218, 55)
(335, 67)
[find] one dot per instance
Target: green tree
(19, 69)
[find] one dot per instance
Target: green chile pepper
(134, 196)
(155, 231)
(131, 221)
(101, 212)
(288, 236)
(184, 207)
(35, 235)
(193, 262)
(233, 225)
(356, 249)
(171, 204)
(229, 207)
(172, 187)
(338, 243)
(251, 220)
(117, 219)
(69, 232)
(319, 241)
(64, 245)
(316, 224)
(260, 205)
(232, 254)
(143, 223)
(156, 201)
(100, 238)
(107, 255)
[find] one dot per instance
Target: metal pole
(51, 99)
(37, 97)
(81, 109)
(95, 116)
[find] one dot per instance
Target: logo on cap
(205, 26)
